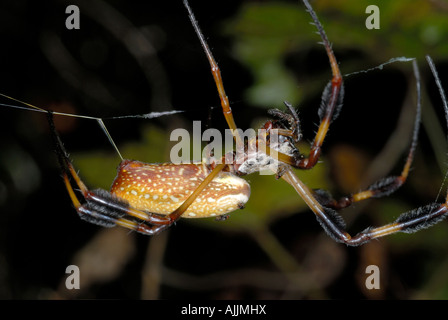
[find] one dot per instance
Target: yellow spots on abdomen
(166, 186)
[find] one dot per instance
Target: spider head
(288, 121)
(281, 135)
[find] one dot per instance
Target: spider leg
(387, 185)
(408, 222)
(227, 111)
(217, 77)
(331, 104)
(293, 122)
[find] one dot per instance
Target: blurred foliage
(264, 33)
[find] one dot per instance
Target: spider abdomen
(162, 188)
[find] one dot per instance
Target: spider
(149, 198)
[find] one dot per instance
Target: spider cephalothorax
(281, 135)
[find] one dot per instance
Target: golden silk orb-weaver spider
(149, 198)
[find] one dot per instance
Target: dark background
(101, 70)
